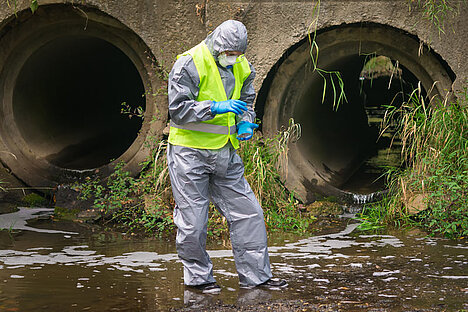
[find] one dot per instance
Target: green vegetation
(431, 187)
(437, 11)
(65, 213)
(263, 159)
(34, 200)
(334, 77)
(13, 4)
(376, 66)
(33, 6)
(324, 208)
(140, 203)
(145, 203)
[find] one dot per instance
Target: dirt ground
(303, 306)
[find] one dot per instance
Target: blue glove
(234, 106)
(245, 130)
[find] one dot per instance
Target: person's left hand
(245, 130)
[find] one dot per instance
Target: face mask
(227, 60)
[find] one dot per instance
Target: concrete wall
(169, 27)
(274, 26)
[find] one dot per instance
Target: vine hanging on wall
(34, 5)
(336, 80)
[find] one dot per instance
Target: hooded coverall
(199, 176)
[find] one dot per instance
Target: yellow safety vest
(214, 133)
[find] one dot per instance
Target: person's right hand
(234, 106)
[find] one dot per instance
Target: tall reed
(433, 180)
(264, 160)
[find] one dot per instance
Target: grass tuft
(432, 183)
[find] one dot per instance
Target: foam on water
(17, 220)
(455, 277)
(324, 246)
(311, 248)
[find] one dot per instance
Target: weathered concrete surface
(170, 27)
(276, 26)
(9, 181)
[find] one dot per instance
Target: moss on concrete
(324, 208)
(34, 200)
(66, 214)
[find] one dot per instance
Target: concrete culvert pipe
(339, 152)
(64, 79)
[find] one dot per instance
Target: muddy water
(58, 266)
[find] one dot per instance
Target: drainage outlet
(69, 87)
(341, 152)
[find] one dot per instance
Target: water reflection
(115, 272)
(197, 301)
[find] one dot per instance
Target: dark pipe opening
(68, 98)
(345, 143)
(340, 153)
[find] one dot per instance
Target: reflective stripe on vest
(214, 133)
(203, 127)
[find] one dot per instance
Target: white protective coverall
(199, 176)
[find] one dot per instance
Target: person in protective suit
(211, 98)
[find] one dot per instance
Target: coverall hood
(229, 36)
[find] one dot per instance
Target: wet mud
(87, 269)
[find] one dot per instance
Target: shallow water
(108, 271)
